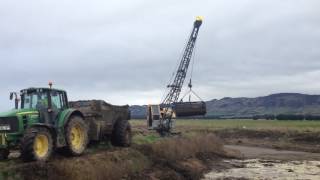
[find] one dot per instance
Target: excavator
(161, 117)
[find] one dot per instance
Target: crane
(160, 116)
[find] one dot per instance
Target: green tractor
(45, 122)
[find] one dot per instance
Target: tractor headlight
(5, 127)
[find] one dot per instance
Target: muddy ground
(189, 154)
(263, 153)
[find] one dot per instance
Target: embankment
(168, 158)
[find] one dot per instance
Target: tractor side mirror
(16, 100)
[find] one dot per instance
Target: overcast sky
(125, 51)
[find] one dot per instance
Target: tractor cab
(47, 101)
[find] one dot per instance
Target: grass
(141, 139)
(183, 157)
(313, 126)
(173, 149)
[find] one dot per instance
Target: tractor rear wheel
(36, 144)
(121, 135)
(76, 136)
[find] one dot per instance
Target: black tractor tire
(76, 136)
(121, 134)
(4, 153)
(36, 144)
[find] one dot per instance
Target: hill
(281, 103)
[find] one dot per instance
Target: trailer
(105, 121)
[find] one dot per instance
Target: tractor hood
(15, 112)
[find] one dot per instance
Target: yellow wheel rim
(77, 137)
(41, 145)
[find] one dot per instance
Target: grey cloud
(125, 51)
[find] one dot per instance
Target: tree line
(288, 117)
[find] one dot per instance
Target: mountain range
(243, 107)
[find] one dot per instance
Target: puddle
(268, 169)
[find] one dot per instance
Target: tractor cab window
(34, 100)
(56, 100)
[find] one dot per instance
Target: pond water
(268, 169)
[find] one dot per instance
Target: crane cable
(191, 75)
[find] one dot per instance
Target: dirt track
(249, 152)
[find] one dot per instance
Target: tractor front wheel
(36, 144)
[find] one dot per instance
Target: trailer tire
(36, 144)
(121, 135)
(76, 136)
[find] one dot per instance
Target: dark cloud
(125, 51)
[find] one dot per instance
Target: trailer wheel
(4, 153)
(76, 136)
(36, 144)
(121, 135)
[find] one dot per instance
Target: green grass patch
(213, 124)
(145, 139)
